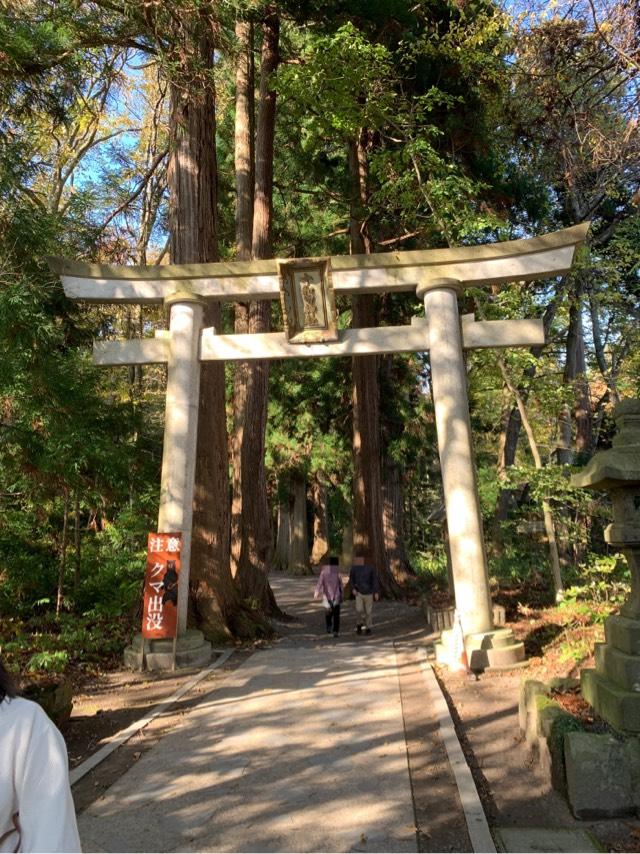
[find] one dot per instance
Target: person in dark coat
(365, 586)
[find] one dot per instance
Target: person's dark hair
(334, 561)
(7, 688)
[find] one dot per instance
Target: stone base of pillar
(613, 688)
(192, 650)
(495, 650)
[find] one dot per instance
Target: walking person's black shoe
(359, 630)
(367, 631)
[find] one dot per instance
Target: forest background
(189, 131)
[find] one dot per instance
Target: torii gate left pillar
(181, 431)
(175, 513)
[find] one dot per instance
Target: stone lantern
(613, 688)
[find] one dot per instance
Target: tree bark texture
(320, 548)
(346, 552)
(192, 179)
(393, 512)
(392, 481)
(254, 522)
(298, 539)
(283, 535)
(368, 531)
(245, 183)
(575, 374)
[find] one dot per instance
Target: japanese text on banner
(160, 611)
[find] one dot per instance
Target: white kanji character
(156, 544)
(155, 604)
(173, 544)
(154, 621)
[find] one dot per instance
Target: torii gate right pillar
(485, 646)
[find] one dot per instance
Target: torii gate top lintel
(512, 260)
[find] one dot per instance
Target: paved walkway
(301, 749)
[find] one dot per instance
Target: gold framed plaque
(307, 299)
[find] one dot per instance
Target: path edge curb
(119, 738)
(477, 825)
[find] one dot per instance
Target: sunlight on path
(302, 749)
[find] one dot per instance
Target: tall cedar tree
(192, 180)
(252, 547)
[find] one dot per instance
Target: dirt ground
(511, 786)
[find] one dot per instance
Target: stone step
(622, 669)
(489, 640)
(619, 707)
(192, 650)
(196, 658)
(185, 658)
(502, 657)
(535, 839)
(623, 633)
(496, 650)
(191, 639)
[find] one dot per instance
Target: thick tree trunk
(283, 536)
(245, 183)
(508, 445)
(392, 481)
(320, 548)
(575, 375)
(393, 523)
(298, 540)
(564, 450)
(192, 180)
(609, 374)
(368, 532)
(244, 130)
(346, 552)
(254, 527)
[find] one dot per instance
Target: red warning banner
(160, 610)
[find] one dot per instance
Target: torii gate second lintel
(437, 276)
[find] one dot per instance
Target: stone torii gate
(436, 276)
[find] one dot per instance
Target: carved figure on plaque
(310, 301)
(306, 297)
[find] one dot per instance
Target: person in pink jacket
(329, 587)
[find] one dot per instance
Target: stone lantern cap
(620, 465)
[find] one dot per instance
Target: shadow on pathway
(302, 748)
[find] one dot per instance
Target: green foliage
(431, 568)
(40, 645)
(51, 662)
(344, 83)
(604, 582)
